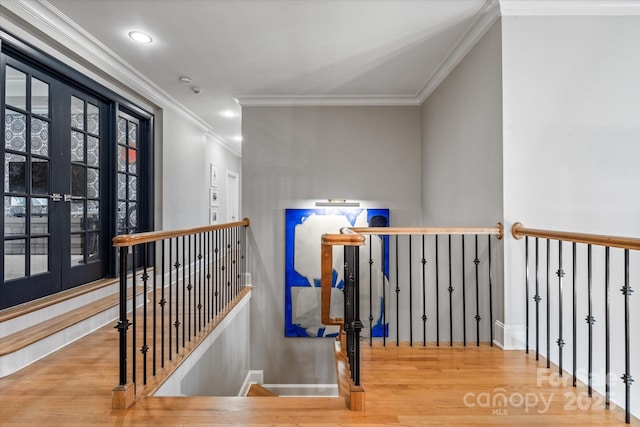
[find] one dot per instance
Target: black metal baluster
(590, 321)
(155, 309)
(134, 315)
(202, 261)
(450, 297)
(548, 294)
(526, 287)
(370, 290)
(244, 256)
(424, 294)
(223, 273)
(575, 316)
(170, 326)
(437, 297)
(185, 262)
(176, 323)
(397, 294)
(537, 299)
(201, 281)
(186, 249)
(226, 269)
(349, 303)
(210, 277)
(490, 296)
(626, 378)
(233, 263)
(163, 301)
(216, 277)
(464, 300)
(607, 329)
(229, 268)
(385, 330)
(201, 291)
(123, 322)
(236, 264)
(191, 299)
(560, 341)
(356, 323)
(476, 261)
(410, 294)
(145, 347)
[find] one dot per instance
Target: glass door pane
(128, 143)
(85, 182)
(26, 175)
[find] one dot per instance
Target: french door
(56, 189)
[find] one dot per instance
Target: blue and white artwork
(304, 229)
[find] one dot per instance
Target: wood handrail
(154, 236)
(519, 231)
(498, 230)
(346, 238)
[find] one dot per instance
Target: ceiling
(280, 52)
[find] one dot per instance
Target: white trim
(253, 377)
(304, 390)
(569, 7)
(484, 19)
(510, 337)
(328, 100)
(60, 28)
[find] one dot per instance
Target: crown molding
(325, 100)
(569, 7)
(483, 20)
(97, 58)
(233, 149)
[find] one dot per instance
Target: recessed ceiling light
(140, 37)
(185, 80)
(230, 114)
(237, 138)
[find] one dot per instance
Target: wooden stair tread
(257, 390)
(41, 303)
(237, 404)
(35, 333)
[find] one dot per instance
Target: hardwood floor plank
(408, 386)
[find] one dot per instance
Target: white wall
(571, 133)
(462, 159)
(293, 157)
(462, 141)
(219, 365)
(187, 154)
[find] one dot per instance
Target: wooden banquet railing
(582, 272)
(417, 279)
(190, 279)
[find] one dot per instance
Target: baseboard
(304, 390)
(253, 377)
(510, 337)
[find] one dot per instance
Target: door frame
(45, 63)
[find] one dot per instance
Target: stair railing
(189, 279)
(417, 285)
(593, 258)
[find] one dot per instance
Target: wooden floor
(408, 386)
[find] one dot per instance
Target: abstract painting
(304, 228)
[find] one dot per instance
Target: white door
(233, 198)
